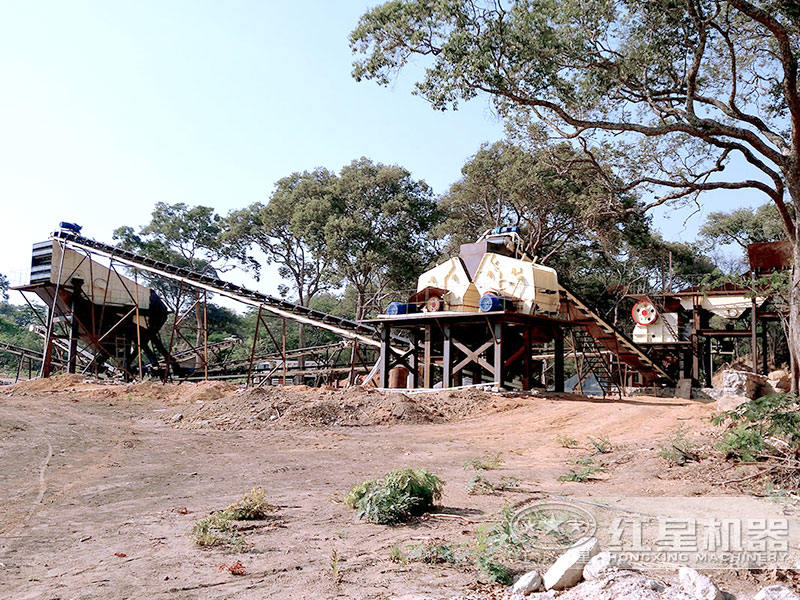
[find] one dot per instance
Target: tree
(379, 231)
(184, 236)
(4, 285)
(549, 191)
(281, 230)
(668, 92)
(744, 226)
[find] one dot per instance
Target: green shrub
(584, 473)
(679, 449)
(601, 445)
(218, 529)
(252, 507)
(742, 442)
(752, 423)
(396, 497)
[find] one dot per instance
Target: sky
(108, 107)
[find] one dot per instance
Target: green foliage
(678, 448)
(288, 230)
(395, 497)
(596, 72)
(585, 471)
(14, 322)
(253, 506)
(744, 226)
(218, 529)
(495, 546)
(432, 554)
(753, 422)
(485, 463)
(4, 285)
(601, 445)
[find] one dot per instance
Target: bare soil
(100, 485)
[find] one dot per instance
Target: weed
(679, 448)
(566, 441)
(395, 497)
(432, 554)
(485, 463)
(601, 444)
(397, 555)
(480, 485)
(218, 529)
(253, 506)
(494, 546)
(336, 571)
(584, 473)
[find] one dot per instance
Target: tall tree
(379, 231)
(744, 226)
(671, 90)
(281, 230)
(182, 235)
(552, 193)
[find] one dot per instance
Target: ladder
(594, 362)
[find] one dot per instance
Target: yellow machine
(489, 275)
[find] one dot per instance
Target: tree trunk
(794, 317)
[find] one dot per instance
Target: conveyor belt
(610, 337)
(342, 326)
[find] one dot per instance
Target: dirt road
(99, 491)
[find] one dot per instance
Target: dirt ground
(100, 485)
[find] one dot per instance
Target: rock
(530, 582)
(726, 402)
(776, 592)
(551, 595)
(698, 585)
(742, 383)
(568, 569)
(176, 417)
(603, 562)
(779, 380)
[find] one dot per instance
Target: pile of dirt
(314, 407)
(78, 387)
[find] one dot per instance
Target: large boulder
(528, 583)
(602, 562)
(568, 569)
(698, 585)
(776, 592)
(779, 380)
(743, 383)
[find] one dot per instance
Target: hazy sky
(109, 107)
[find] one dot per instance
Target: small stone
(776, 592)
(568, 569)
(603, 562)
(176, 417)
(655, 585)
(530, 582)
(698, 585)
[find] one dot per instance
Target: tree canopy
(693, 83)
(549, 191)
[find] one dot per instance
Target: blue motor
(401, 308)
(73, 227)
(493, 303)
